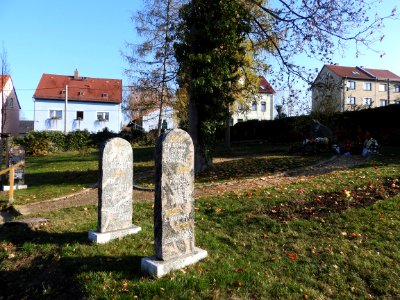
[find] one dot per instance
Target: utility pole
(65, 109)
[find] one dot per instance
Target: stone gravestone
(174, 206)
(115, 192)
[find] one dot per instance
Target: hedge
(46, 142)
(381, 123)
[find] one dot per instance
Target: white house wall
(257, 114)
(150, 121)
(42, 120)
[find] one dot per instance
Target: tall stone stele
(174, 206)
(115, 192)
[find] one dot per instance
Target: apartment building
(339, 88)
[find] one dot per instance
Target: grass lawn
(70, 172)
(334, 235)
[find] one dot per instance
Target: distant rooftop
(3, 81)
(362, 73)
(265, 87)
(105, 90)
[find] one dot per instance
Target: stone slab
(16, 187)
(115, 186)
(154, 267)
(174, 202)
(32, 223)
(104, 237)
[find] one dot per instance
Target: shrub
(99, 138)
(36, 143)
(77, 140)
(44, 142)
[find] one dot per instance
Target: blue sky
(56, 37)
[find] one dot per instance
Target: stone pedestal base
(104, 237)
(16, 187)
(152, 266)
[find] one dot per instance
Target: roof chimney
(76, 76)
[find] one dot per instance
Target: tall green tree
(211, 48)
(152, 63)
(211, 52)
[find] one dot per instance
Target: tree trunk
(228, 133)
(201, 162)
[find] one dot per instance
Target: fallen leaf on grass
(239, 270)
(124, 287)
(218, 209)
(355, 235)
(293, 256)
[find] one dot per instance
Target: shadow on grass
(55, 277)
(44, 161)
(255, 166)
(67, 177)
(143, 154)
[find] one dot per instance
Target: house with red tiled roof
(259, 108)
(67, 103)
(340, 88)
(10, 107)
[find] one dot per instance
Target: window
(79, 115)
(351, 100)
(240, 120)
(103, 116)
(55, 114)
(351, 85)
(397, 88)
(382, 87)
(385, 102)
(367, 86)
(254, 106)
(367, 101)
(104, 94)
(263, 106)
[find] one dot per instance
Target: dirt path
(89, 196)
